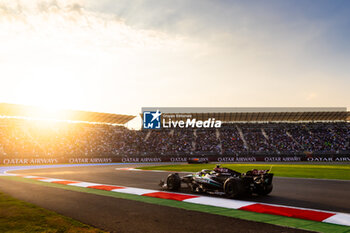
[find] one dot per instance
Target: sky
(120, 55)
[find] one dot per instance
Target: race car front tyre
(233, 187)
(173, 182)
(265, 190)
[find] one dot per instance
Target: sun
(50, 88)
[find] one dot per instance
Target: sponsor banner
(283, 159)
(14, 161)
(171, 159)
(142, 160)
(328, 159)
(178, 159)
(36, 161)
(90, 160)
(270, 159)
(236, 159)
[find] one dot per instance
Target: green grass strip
(340, 172)
(246, 215)
(20, 216)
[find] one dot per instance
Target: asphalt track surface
(331, 195)
(120, 215)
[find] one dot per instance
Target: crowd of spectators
(20, 137)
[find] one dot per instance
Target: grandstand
(30, 112)
(245, 132)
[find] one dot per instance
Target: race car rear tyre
(265, 190)
(233, 187)
(173, 182)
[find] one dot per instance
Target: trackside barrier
(174, 159)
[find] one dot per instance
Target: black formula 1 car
(222, 181)
(197, 160)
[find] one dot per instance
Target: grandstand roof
(17, 110)
(256, 114)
